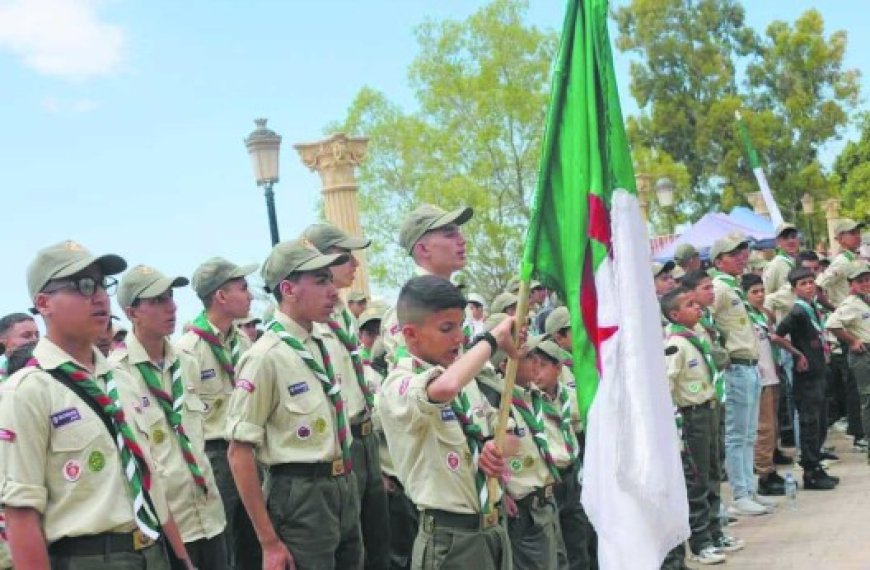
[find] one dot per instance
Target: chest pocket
(76, 437)
(194, 414)
(302, 397)
(80, 454)
(448, 431)
(154, 429)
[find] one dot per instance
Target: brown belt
(98, 544)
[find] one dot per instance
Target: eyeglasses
(86, 286)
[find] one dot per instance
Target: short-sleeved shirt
(58, 458)
(429, 447)
(834, 279)
(528, 471)
(198, 515)
(780, 302)
(216, 384)
(775, 275)
(853, 316)
(279, 406)
(688, 373)
(734, 321)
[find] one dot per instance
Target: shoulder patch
(246, 385)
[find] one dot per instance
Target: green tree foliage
(852, 174)
(481, 87)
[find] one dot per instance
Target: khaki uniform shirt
(780, 302)
(198, 515)
(58, 458)
(688, 374)
(853, 316)
(775, 276)
(733, 320)
(429, 448)
(279, 406)
(833, 279)
(216, 386)
(528, 471)
(375, 381)
(554, 434)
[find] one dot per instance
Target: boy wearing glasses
(172, 413)
(76, 475)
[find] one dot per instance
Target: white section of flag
(633, 486)
(767, 195)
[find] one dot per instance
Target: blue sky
(123, 122)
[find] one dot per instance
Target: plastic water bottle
(791, 491)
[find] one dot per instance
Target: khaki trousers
(765, 443)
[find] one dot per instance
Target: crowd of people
(335, 432)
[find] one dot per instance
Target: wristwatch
(486, 336)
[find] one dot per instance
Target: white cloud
(64, 38)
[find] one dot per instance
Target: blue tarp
(744, 216)
(714, 226)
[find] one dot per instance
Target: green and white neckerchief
(716, 377)
(461, 407)
(789, 260)
(326, 375)
(350, 342)
(709, 324)
(816, 315)
(204, 330)
(533, 415)
(849, 255)
(562, 417)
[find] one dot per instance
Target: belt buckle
(337, 467)
(365, 428)
(490, 519)
(548, 492)
(141, 541)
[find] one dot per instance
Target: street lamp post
(808, 206)
(264, 146)
(665, 195)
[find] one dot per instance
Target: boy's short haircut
(372, 327)
(671, 300)
(421, 296)
(750, 280)
(692, 279)
(808, 256)
(799, 273)
(11, 320)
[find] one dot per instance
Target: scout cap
(857, 269)
(558, 319)
(295, 256)
(659, 268)
(784, 227)
(427, 218)
(685, 252)
(324, 236)
(553, 350)
(513, 285)
(503, 301)
(65, 259)
(726, 244)
(211, 275)
(757, 260)
(370, 315)
(249, 320)
(356, 297)
(475, 298)
(144, 282)
(678, 272)
(847, 225)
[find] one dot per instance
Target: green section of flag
(754, 162)
(585, 154)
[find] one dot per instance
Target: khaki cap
(475, 298)
(847, 225)
(144, 282)
(857, 269)
(427, 218)
(784, 227)
(558, 319)
(678, 272)
(553, 350)
(374, 314)
(356, 297)
(249, 320)
(296, 256)
(324, 236)
(757, 260)
(513, 285)
(659, 268)
(65, 259)
(503, 301)
(726, 244)
(685, 252)
(214, 272)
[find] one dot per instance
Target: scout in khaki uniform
(833, 279)
(175, 422)
(662, 278)
(687, 257)
(742, 380)
(329, 239)
(248, 326)
(787, 246)
(692, 377)
(216, 345)
(77, 496)
(433, 238)
(288, 412)
(850, 323)
(505, 303)
(357, 303)
(369, 332)
(437, 435)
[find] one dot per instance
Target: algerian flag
(587, 240)
(755, 164)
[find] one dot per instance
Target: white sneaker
(747, 507)
(727, 543)
(708, 556)
(765, 501)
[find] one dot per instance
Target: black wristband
(486, 336)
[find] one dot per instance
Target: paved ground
(829, 530)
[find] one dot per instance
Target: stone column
(832, 216)
(642, 183)
(334, 159)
